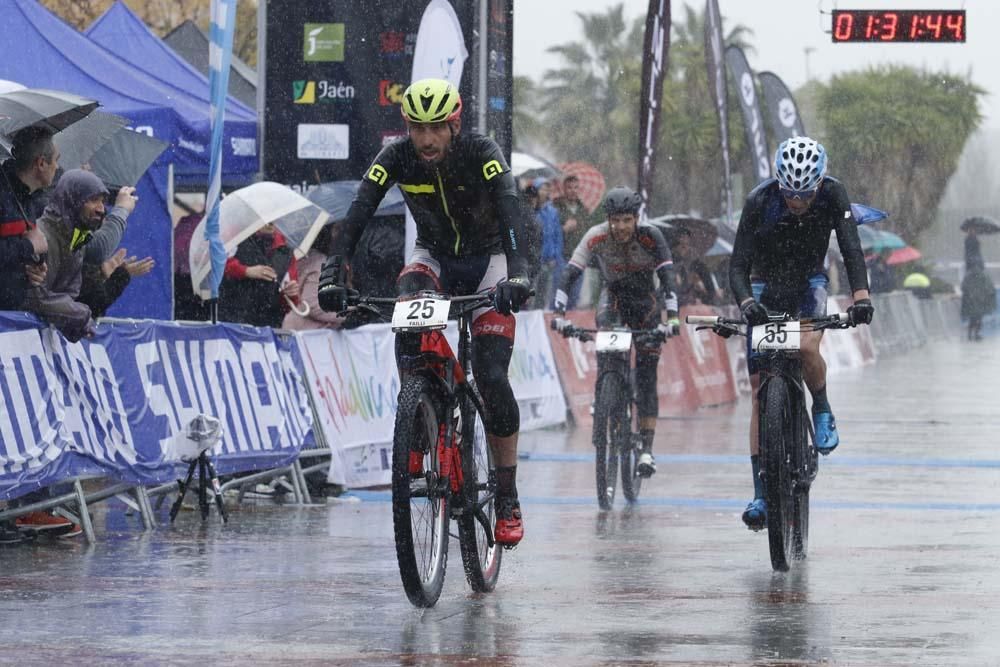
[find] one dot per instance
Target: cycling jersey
(627, 268)
(464, 206)
(785, 249)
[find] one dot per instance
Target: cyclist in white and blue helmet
(778, 265)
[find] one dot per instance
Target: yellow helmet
(431, 101)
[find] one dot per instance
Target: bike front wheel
(611, 433)
(631, 479)
(419, 496)
(776, 443)
(481, 554)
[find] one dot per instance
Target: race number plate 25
(420, 314)
(776, 336)
(613, 341)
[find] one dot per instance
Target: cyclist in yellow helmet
(470, 237)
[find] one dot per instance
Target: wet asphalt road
(903, 567)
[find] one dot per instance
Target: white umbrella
(245, 211)
(523, 164)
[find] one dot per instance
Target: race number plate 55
(776, 336)
(420, 314)
(613, 341)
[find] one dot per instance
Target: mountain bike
(616, 438)
(789, 461)
(442, 466)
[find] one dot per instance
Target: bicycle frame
(449, 371)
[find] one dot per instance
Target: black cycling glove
(861, 312)
(511, 295)
(332, 294)
(754, 313)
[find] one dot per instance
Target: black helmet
(622, 200)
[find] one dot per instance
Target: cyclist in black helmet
(628, 253)
(470, 237)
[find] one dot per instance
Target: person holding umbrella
(979, 296)
(22, 245)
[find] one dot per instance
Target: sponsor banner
(119, 403)
(753, 123)
(654, 64)
(717, 84)
(694, 371)
(780, 108)
(354, 382)
(334, 72)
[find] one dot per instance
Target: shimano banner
(717, 84)
(782, 113)
(654, 65)
(739, 68)
(119, 404)
(335, 72)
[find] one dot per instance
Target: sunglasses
(801, 195)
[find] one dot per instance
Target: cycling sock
(758, 483)
(647, 439)
(506, 481)
(820, 404)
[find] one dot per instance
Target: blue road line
(844, 461)
(727, 504)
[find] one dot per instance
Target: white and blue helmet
(800, 164)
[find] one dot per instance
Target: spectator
(693, 279)
(979, 298)
(22, 245)
(259, 281)
(187, 304)
(309, 270)
(575, 221)
(533, 232)
(552, 259)
(75, 212)
(882, 276)
(104, 282)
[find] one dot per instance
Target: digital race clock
(893, 25)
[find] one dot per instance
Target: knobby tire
(776, 443)
(611, 432)
(480, 560)
(420, 522)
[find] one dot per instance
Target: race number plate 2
(420, 314)
(776, 336)
(613, 341)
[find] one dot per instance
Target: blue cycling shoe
(827, 437)
(755, 515)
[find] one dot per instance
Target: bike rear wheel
(776, 443)
(419, 497)
(611, 433)
(481, 555)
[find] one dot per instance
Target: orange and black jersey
(466, 205)
(785, 249)
(627, 268)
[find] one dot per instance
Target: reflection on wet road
(902, 568)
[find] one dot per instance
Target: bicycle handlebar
(717, 324)
(571, 331)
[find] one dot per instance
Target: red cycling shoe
(509, 528)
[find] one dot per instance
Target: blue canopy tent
(41, 51)
(122, 32)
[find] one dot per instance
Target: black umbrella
(981, 225)
(80, 141)
(52, 109)
(126, 157)
(335, 198)
(701, 232)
